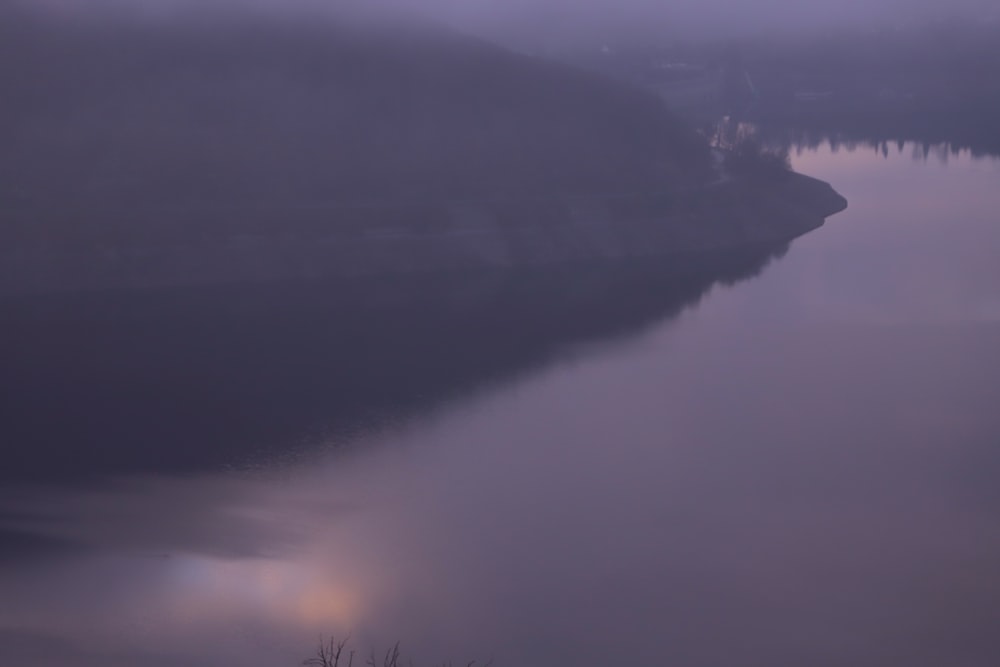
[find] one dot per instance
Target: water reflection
(938, 148)
(193, 379)
(799, 471)
(836, 135)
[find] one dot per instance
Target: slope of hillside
(282, 111)
(237, 148)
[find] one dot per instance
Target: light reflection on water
(800, 471)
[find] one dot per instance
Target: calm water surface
(800, 470)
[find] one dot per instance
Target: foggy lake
(798, 468)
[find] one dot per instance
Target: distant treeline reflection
(918, 150)
(785, 138)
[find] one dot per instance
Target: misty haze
(527, 333)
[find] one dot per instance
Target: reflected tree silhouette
(186, 379)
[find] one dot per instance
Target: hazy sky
(538, 16)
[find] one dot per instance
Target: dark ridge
(237, 109)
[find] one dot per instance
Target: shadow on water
(183, 380)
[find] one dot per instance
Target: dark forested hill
(231, 111)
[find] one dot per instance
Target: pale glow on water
(801, 470)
